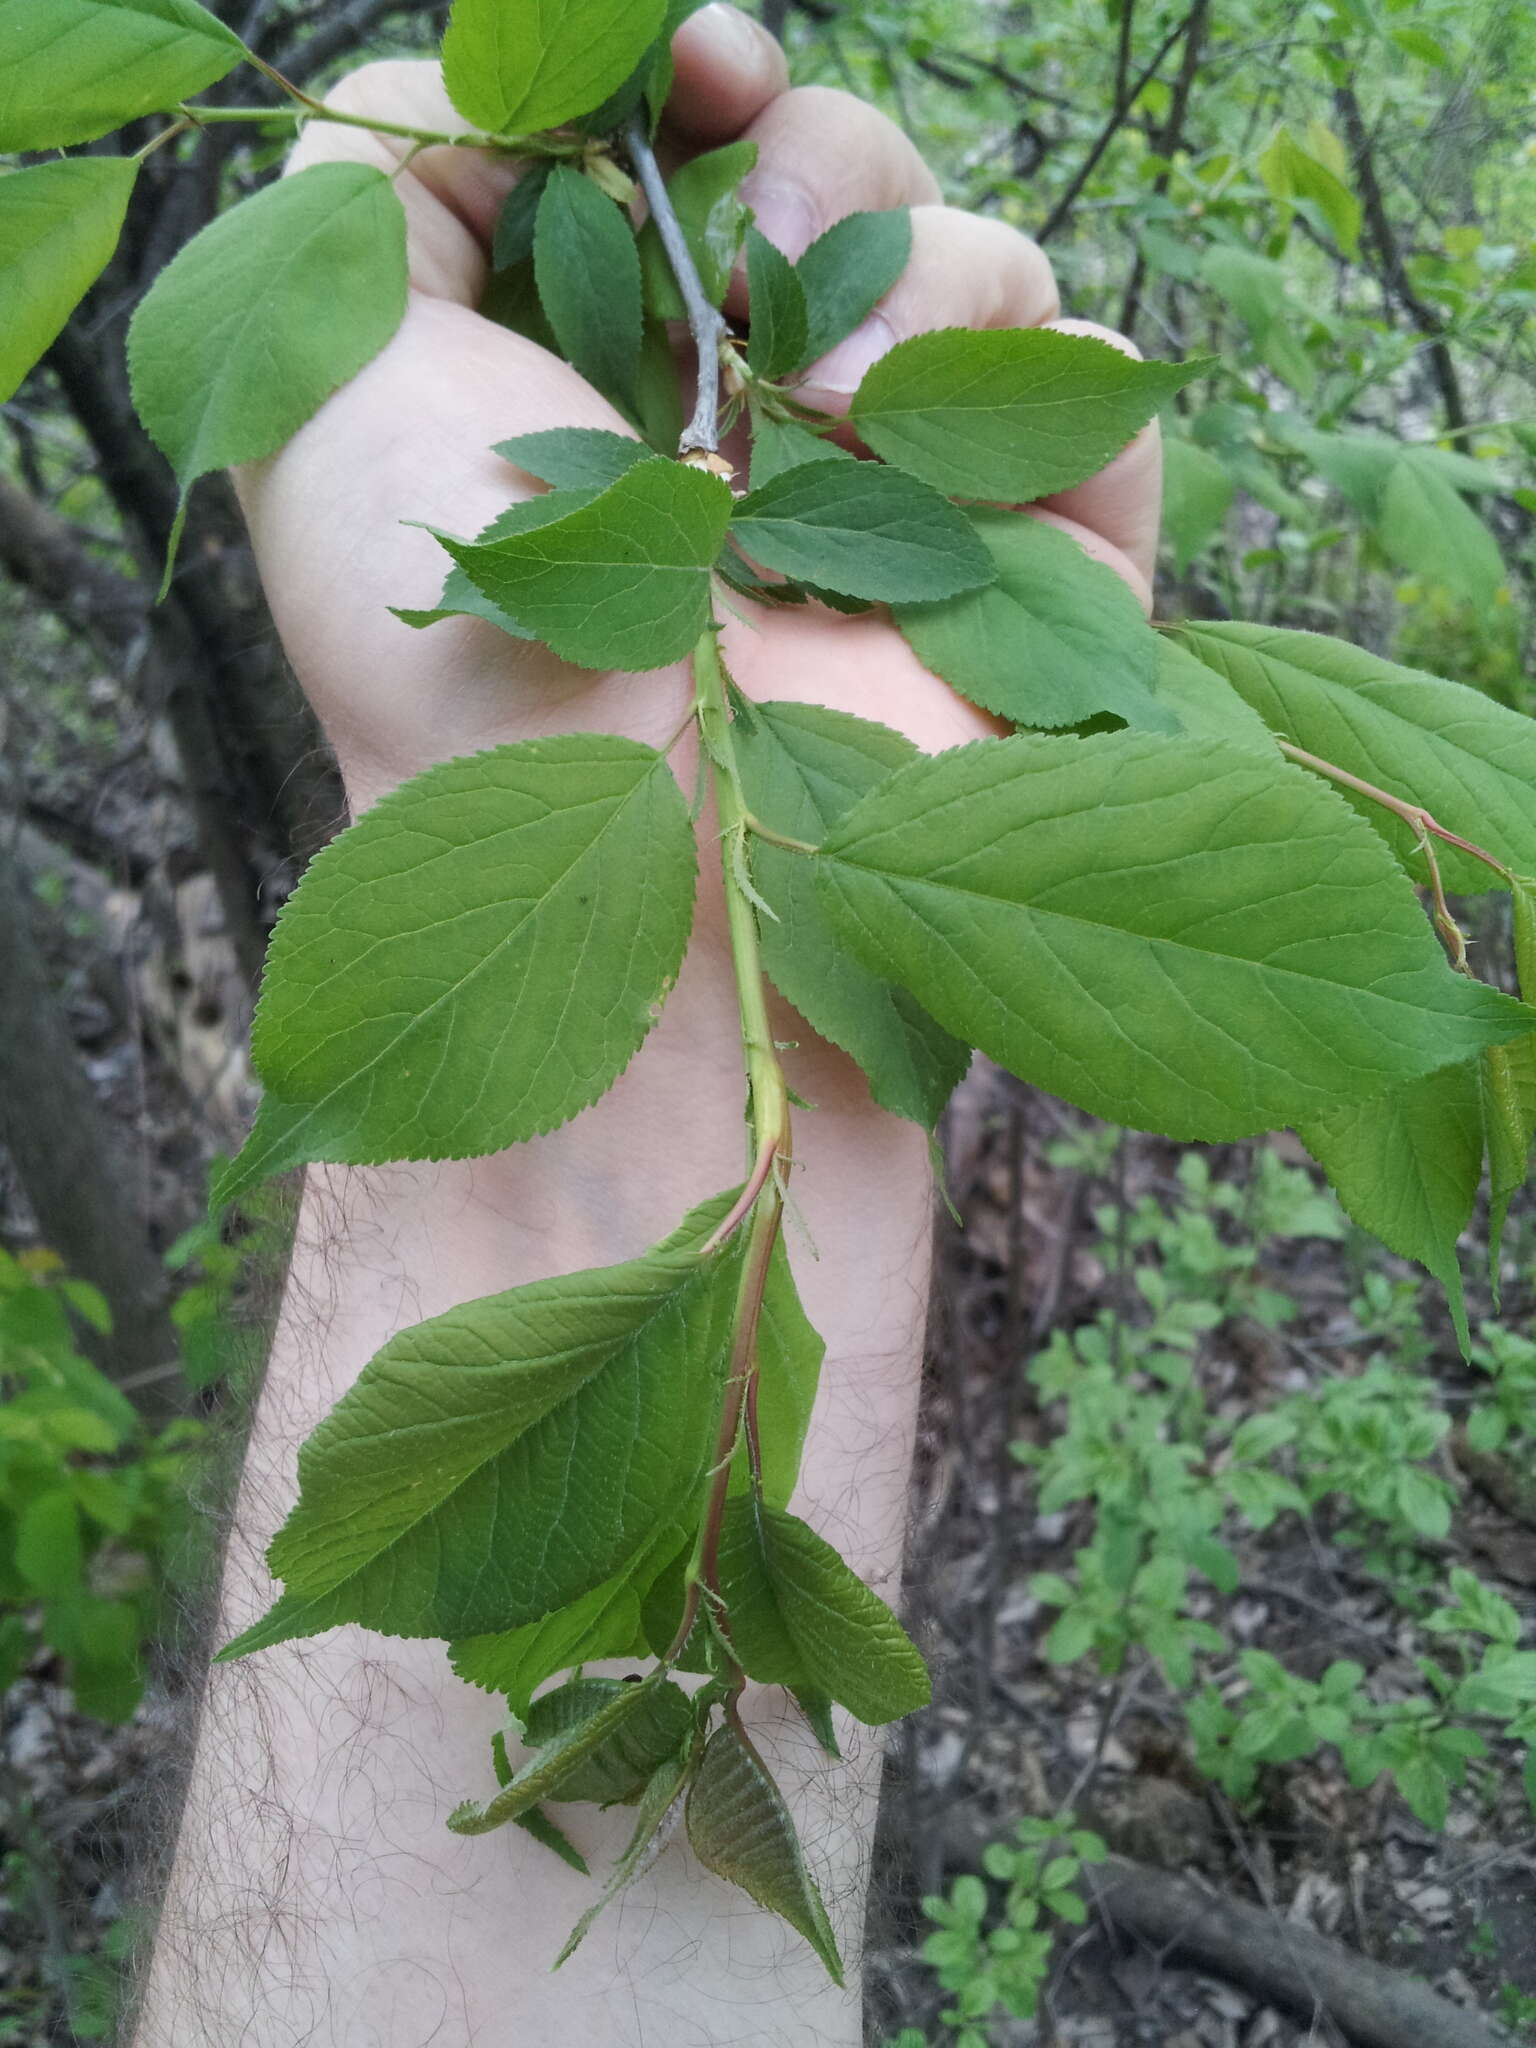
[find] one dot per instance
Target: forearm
(316, 1892)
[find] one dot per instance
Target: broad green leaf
(789, 1355)
(780, 327)
(461, 598)
(713, 220)
(602, 1623)
(574, 458)
(656, 1802)
(1427, 527)
(845, 274)
(778, 445)
(1291, 172)
(863, 531)
(1013, 414)
(588, 273)
(621, 584)
(59, 224)
(101, 1640)
(1509, 1091)
(517, 221)
(740, 1828)
(1204, 703)
(1407, 1165)
(799, 1617)
(1173, 934)
(1057, 638)
(1197, 490)
(503, 1460)
(616, 1771)
(1468, 761)
(70, 70)
(1258, 291)
(803, 767)
(554, 1764)
(263, 315)
(475, 960)
(49, 1552)
(518, 69)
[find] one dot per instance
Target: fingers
(822, 155)
(727, 70)
(965, 271)
(1123, 502)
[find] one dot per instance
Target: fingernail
(736, 36)
(843, 368)
(785, 215)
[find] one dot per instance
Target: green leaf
(1407, 1165)
(846, 272)
(1464, 758)
(1173, 934)
(789, 1356)
(740, 1828)
(656, 1802)
(1290, 172)
(602, 1623)
(713, 220)
(1426, 526)
(1056, 639)
(588, 273)
(617, 1770)
(70, 70)
(262, 316)
(473, 961)
(780, 328)
(778, 445)
(512, 242)
(863, 531)
(556, 1762)
(799, 1617)
(574, 458)
(536, 1822)
(1509, 1091)
(1196, 493)
(502, 1460)
(1012, 414)
(1258, 291)
(461, 598)
(59, 224)
(624, 582)
(49, 1552)
(101, 1640)
(1204, 703)
(515, 70)
(803, 766)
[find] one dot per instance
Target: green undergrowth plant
(1183, 892)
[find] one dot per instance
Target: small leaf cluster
(87, 1496)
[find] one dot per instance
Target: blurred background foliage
(1334, 202)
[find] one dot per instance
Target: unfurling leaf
(863, 531)
(266, 313)
(803, 767)
(588, 275)
(515, 70)
(740, 1828)
(780, 324)
(503, 1460)
(799, 1617)
(1174, 934)
(1407, 1165)
(1467, 760)
(713, 220)
(1056, 639)
(655, 1803)
(475, 960)
(622, 583)
(1013, 414)
(559, 1760)
(614, 1772)
(59, 224)
(70, 70)
(845, 274)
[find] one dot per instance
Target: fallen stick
(1285, 1965)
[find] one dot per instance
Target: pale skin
(316, 1895)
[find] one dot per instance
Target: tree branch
(705, 322)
